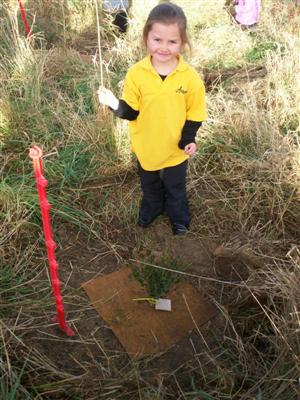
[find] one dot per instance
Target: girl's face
(164, 42)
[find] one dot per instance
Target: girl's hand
(107, 98)
(190, 149)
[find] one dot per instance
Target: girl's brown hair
(167, 13)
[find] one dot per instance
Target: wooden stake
(99, 44)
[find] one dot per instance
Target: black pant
(165, 191)
(121, 21)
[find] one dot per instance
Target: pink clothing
(247, 11)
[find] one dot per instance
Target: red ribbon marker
(28, 30)
(35, 153)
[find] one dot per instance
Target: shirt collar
(146, 63)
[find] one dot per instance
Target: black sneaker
(179, 230)
(144, 223)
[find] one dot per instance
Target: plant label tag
(163, 305)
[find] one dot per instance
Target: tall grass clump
(245, 179)
(252, 140)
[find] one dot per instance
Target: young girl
(164, 100)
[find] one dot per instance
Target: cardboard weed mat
(142, 330)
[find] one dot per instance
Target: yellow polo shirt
(163, 107)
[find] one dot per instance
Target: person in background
(164, 100)
(119, 11)
(247, 12)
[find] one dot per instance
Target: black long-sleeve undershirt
(124, 111)
(188, 133)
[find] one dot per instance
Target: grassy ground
(243, 188)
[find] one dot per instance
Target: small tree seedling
(157, 281)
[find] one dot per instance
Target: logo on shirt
(180, 90)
